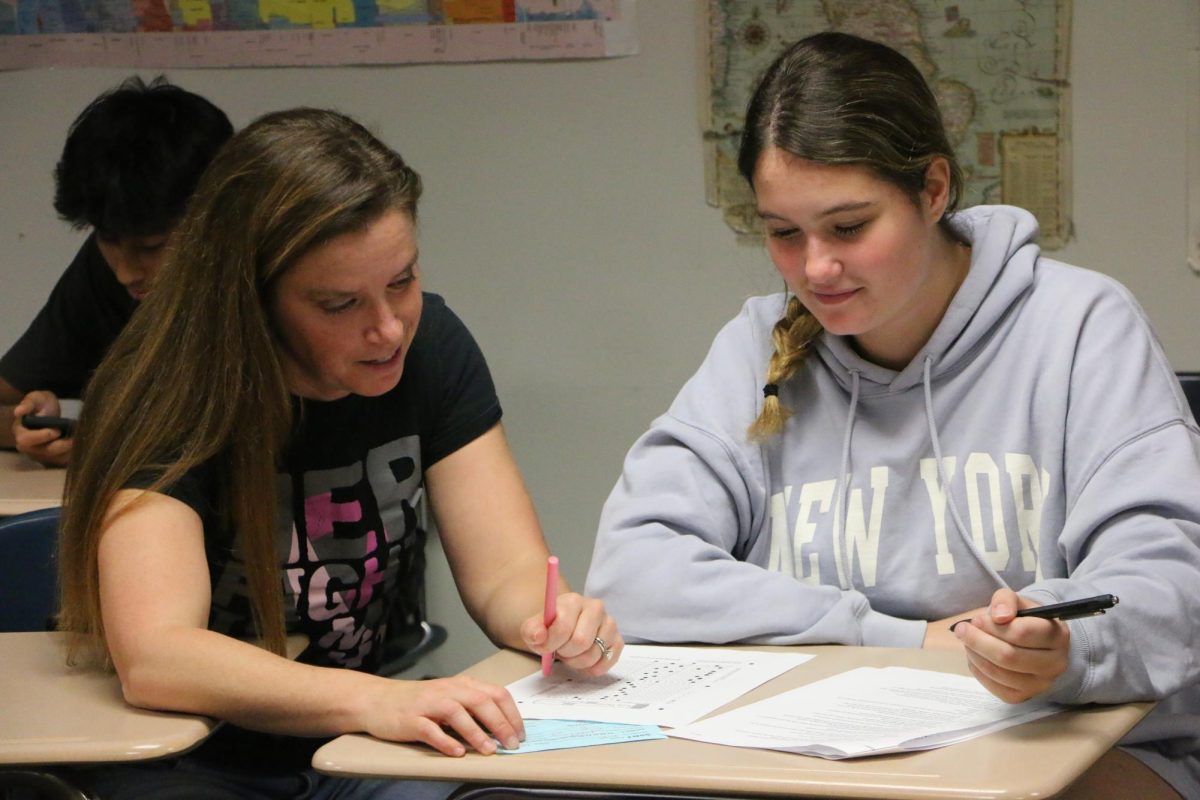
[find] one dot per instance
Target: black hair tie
(771, 390)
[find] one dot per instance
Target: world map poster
(997, 67)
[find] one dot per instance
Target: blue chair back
(28, 570)
(1191, 388)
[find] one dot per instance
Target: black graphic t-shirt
(64, 344)
(353, 475)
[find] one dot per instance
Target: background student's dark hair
(832, 98)
(134, 155)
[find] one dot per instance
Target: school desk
(1035, 760)
(56, 714)
(26, 485)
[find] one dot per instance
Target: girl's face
(347, 311)
(858, 253)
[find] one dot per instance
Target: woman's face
(862, 257)
(346, 312)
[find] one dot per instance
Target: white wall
(565, 221)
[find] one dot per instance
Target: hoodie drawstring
(941, 469)
(845, 576)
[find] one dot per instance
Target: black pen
(1072, 609)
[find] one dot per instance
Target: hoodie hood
(1003, 255)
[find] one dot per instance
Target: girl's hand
(429, 711)
(576, 634)
(1014, 658)
(938, 633)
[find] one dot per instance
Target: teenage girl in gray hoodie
(935, 422)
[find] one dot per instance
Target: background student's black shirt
(64, 344)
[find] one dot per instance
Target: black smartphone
(64, 425)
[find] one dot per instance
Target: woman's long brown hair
(195, 376)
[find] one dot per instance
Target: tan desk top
(26, 485)
(1036, 760)
(54, 714)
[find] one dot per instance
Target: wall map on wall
(998, 68)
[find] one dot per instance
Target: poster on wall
(261, 33)
(998, 68)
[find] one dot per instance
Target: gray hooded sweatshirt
(1039, 440)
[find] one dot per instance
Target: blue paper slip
(559, 734)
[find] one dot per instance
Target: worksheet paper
(651, 685)
(868, 711)
(560, 734)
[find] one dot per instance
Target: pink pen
(551, 609)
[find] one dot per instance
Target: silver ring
(605, 650)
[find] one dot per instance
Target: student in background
(128, 167)
(933, 418)
(250, 461)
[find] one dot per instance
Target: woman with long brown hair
(249, 462)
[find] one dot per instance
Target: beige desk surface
(54, 714)
(1036, 760)
(26, 485)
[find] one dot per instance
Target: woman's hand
(430, 711)
(583, 635)
(1014, 658)
(45, 445)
